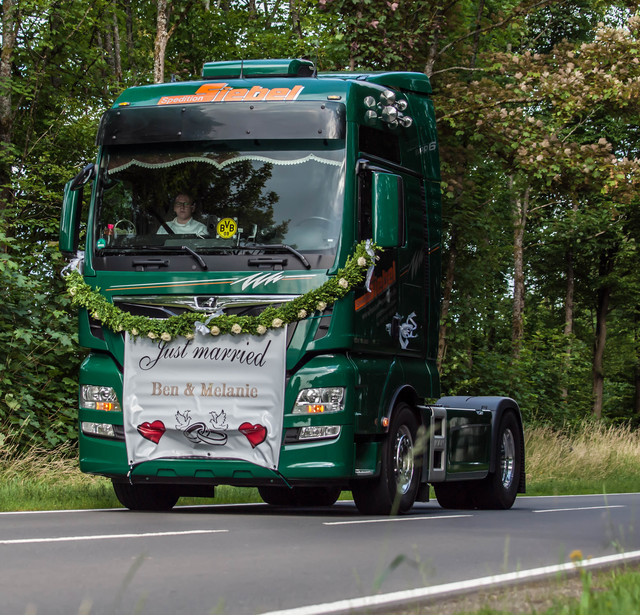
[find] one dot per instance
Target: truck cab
(228, 203)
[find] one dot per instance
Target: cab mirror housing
(71, 210)
(386, 191)
(70, 220)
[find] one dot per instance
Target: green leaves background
(538, 107)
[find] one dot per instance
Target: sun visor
(223, 121)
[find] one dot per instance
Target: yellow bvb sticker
(226, 228)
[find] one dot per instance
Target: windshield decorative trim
(358, 269)
(222, 165)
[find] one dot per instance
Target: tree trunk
(602, 310)
(446, 297)
(108, 50)
(129, 29)
(163, 34)
(476, 36)
(432, 53)
(294, 11)
(568, 320)
(117, 58)
(604, 295)
(162, 37)
(6, 114)
(520, 209)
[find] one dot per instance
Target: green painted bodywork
(361, 348)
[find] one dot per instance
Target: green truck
(259, 295)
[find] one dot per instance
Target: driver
(183, 223)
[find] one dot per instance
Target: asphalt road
(248, 559)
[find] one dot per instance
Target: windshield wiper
(278, 247)
(187, 249)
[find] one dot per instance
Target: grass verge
(611, 592)
(592, 459)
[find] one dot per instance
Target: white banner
(209, 397)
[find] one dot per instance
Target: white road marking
(122, 510)
(394, 519)
(577, 495)
(411, 596)
(543, 510)
(24, 541)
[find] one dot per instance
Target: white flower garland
(358, 268)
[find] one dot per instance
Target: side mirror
(70, 220)
(71, 209)
(87, 174)
(386, 193)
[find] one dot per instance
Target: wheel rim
(403, 460)
(507, 457)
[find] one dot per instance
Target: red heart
(256, 434)
(152, 431)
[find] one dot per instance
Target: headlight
(98, 430)
(98, 398)
(320, 400)
(322, 432)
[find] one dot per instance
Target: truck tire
(498, 490)
(145, 497)
(299, 496)
(394, 491)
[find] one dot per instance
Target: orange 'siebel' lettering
(223, 92)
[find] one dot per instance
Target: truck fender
(497, 406)
(404, 393)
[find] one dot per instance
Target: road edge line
(458, 588)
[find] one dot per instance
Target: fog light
(96, 397)
(98, 430)
(319, 432)
(320, 400)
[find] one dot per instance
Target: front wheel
(394, 491)
(145, 497)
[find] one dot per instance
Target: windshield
(217, 199)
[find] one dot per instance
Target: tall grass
(40, 479)
(593, 458)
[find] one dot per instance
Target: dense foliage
(538, 105)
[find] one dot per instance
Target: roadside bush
(40, 356)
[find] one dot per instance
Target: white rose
(236, 329)
(134, 332)
(215, 330)
(189, 336)
(261, 329)
(321, 307)
(151, 335)
(165, 337)
(302, 314)
(343, 283)
(362, 261)
(277, 322)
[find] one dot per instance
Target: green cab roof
(285, 80)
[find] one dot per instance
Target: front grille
(236, 305)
